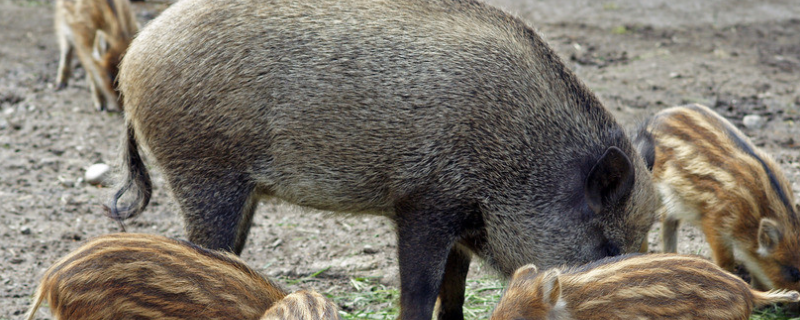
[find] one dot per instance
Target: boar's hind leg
(245, 223)
(424, 240)
(217, 211)
(451, 295)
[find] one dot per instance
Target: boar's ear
(610, 180)
(769, 234)
(550, 287)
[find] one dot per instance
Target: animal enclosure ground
(640, 56)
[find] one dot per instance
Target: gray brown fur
(89, 27)
(657, 286)
(710, 175)
(452, 118)
(140, 276)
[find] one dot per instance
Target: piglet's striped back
(139, 276)
(655, 286)
(710, 175)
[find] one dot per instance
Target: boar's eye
(791, 273)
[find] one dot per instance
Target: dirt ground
(640, 56)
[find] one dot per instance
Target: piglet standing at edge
(710, 175)
(94, 27)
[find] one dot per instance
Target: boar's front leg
(424, 241)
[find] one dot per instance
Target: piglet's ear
(550, 287)
(610, 180)
(769, 235)
(645, 144)
(528, 271)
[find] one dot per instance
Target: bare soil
(740, 57)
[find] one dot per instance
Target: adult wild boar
(451, 118)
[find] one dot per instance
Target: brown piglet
(94, 27)
(140, 276)
(655, 286)
(303, 305)
(710, 175)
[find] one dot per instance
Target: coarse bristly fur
(104, 27)
(450, 117)
(710, 175)
(140, 276)
(655, 286)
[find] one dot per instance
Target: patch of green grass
(369, 300)
(620, 30)
(482, 296)
(303, 279)
(372, 300)
(772, 313)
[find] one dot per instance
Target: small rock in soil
(370, 250)
(98, 174)
(753, 121)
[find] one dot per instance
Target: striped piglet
(140, 276)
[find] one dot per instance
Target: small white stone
(98, 174)
(368, 249)
(753, 121)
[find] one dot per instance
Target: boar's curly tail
(762, 299)
(136, 178)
